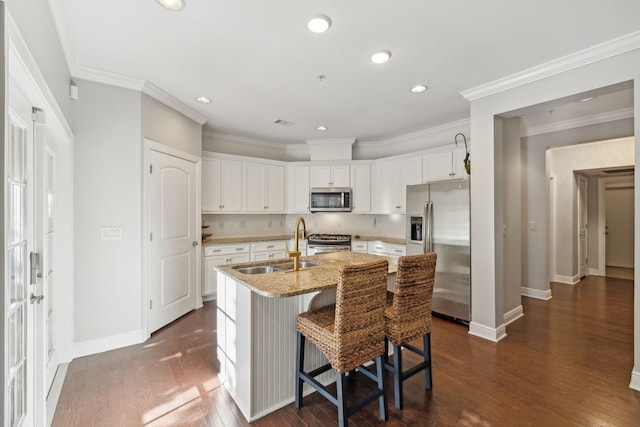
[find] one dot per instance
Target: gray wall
(33, 18)
(108, 192)
(165, 125)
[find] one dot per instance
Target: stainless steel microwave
(330, 199)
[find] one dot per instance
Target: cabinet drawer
(359, 246)
(396, 250)
(268, 246)
(376, 248)
(215, 250)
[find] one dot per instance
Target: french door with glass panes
(28, 262)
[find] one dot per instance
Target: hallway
(567, 362)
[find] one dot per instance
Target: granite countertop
(392, 240)
(305, 280)
(246, 239)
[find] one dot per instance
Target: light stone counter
(306, 280)
(246, 239)
(392, 240)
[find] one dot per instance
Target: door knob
(36, 298)
(194, 244)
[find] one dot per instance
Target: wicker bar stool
(408, 316)
(349, 333)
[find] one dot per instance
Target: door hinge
(151, 237)
(150, 304)
(150, 168)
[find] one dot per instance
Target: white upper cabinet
(221, 185)
(444, 165)
(390, 180)
(298, 186)
(361, 188)
(329, 176)
(263, 187)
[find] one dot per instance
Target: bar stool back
(349, 333)
(408, 316)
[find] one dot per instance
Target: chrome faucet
(296, 254)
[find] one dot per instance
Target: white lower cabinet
(265, 251)
(389, 250)
(359, 247)
(219, 255)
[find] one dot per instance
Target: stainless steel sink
(288, 265)
(255, 270)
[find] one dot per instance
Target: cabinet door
(254, 188)
(411, 172)
(274, 188)
(211, 185)
(210, 274)
(231, 190)
(438, 167)
(320, 176)
(298, 183)
(340, 176)
(361, 187)
(386, 178)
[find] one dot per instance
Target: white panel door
(582, 226)
(174, 237)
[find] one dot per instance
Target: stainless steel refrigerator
(438, 221)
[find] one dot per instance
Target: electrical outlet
(111, 233)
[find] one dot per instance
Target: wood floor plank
(567, 362)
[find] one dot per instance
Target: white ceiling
(258, 63)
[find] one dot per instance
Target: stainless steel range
(328, 243)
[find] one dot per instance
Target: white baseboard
(569, 280)
(535, 293)
(487, 332)
(100, 345)
(54, 392)
(596, 272)
(635, 379)
(513, 315)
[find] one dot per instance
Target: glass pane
(50, 174)
(17, 396)
(17, 273)
(49, 250)
(50, 213)
(16, 153)
(16, 334)
(16, 213)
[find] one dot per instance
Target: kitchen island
(256, 324)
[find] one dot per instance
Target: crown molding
(64, 36)
(108, 78)
(156, 93)
(578, 59)
(441, 130)
(594, 119)
(245, 140)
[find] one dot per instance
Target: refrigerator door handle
(427, 230)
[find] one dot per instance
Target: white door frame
(581, 206)
(150, 145)
(21, 66)
(602, 218)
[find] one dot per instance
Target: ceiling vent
(618, 171)
(284, 122)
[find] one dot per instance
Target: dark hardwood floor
(567, 362)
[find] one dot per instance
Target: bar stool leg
(382, 401)
(397, 375)
(342, 400)
(426, 341)
(300, 340)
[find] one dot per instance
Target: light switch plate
(111, 233)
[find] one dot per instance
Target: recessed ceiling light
(586, 99)
(174, 5)
(380, 57)
(322, 128)
(203, 100)
(418, 89)
(319, 23)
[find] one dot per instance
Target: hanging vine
(467, 160)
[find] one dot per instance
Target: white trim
(569, 280)
(535, 293)
(251, 141)
(513, 315)
(595, 272)
(166, 98)
(108, 78)
(624, 113)
(572, 61)
(635, 379)
(54, 392)
(63, 30)
(100, 345)
(486, 332)
(444, 131)
(23, 55)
